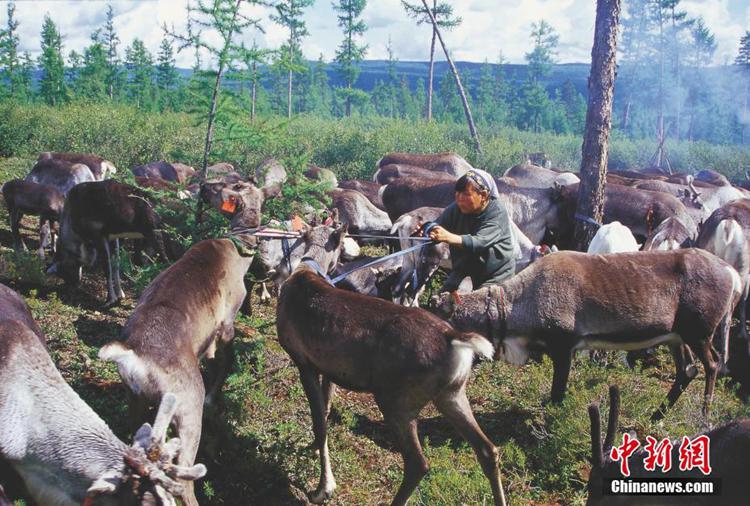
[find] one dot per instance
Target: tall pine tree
(51, 64)
(289, 15)
(167, 78)
(140, 66)
(10, 64)
(443, 14)
(110, 41)
(350, 53)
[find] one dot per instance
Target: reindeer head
(148, 476)
(323, 243)
(241, 201)
(598, 455)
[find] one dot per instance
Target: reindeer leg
(44, 236)
(710, 359)
(404, 424)
(456, 408)
(188, 423)
(312, 386)
(118, 283)
(265, 296)
(111, 296)
(219, 368)
(682, 380)
(329, 390)
(561, 361)
(15, 225)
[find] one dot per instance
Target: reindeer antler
(614, 415)
(151, 455)
(597, 453)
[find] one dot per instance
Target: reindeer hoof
(110, 303)
(322, 495)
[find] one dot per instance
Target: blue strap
(588, 220)
(287, 253)
(317, 268)
(379, 260)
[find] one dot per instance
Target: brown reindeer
(100, 167)
(572, 301)
(405, 357)
(60, 449)
(185, 314)
(24, 197)
(95, 215)
(729, 456)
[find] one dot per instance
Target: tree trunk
(430, 76)
(289, 97)
(598, 122)
(660, 120)
(212, 111)
(464, 101)
(254, 91)
(626, 116)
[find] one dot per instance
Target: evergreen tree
(703, 44)
(223, 17)
(443, 14)
(27, 76)
(73, 70)
(319, 96)
(743, 64)
(573, 107)
(484, 93)
(51, 64)
(167, 77)
(391, 86)
(540, 61)
(10, 64)
(110, 41)
(140, 66)
(289, 15)
(252, 58)
(93, 77)
(542, 56)
(503, 93)
(350, 53)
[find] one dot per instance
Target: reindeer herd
(670, 266)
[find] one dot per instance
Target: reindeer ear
(271, 191)
(105, 484)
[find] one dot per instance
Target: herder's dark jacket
(487, 252)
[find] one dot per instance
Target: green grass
(257, 447)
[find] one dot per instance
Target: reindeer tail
(131, 367)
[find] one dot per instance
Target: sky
(490, 27)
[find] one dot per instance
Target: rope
(588, 220)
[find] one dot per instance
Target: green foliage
(139, 63)
(51, 85)
(92, 82)
(350, 53)
(11, 70)
(542, 56)
(298, 193)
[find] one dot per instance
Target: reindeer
(99, 167)
(729, 456)
(406, 357)
(571, 301)
(726, 234)
(23, 197)
(63, 452)
(61, 174)
(185, 314)
(94, 215)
